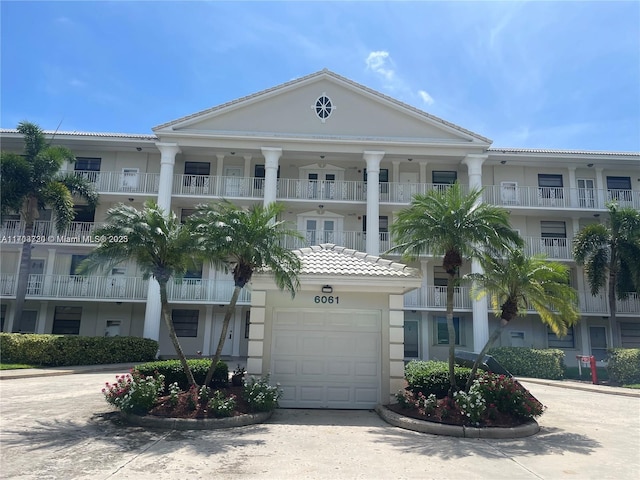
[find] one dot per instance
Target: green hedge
(173, 372)
(530, 362)
(433, 377)
(623, 365)
(60, 350)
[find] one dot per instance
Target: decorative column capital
(168, 151)
(373, 159)
(474, 162)
(271, 156)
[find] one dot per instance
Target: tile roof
(547, 151)
(330, 259)
(135, 136)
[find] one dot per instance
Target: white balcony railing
(12, 231)
(122, 182)
(558, 197)
(553, 248)
(119, 288)
(435, 298)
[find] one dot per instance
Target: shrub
(432, 377)
(61, 350)
(529, 362)
(222, 406)
(260, 396)
(623, 365)
(173, 372)
(506, 395)
(134, 393)
(472, 404)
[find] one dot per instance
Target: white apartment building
(344, 159)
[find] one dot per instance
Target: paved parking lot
(61, 428)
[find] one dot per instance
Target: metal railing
(122, 182)
(12, 231)
(554, 248)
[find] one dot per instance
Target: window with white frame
(185, 322)
(66, 321)
(568, 341)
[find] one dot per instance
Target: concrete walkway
(55, 425)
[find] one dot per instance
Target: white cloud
(380, 63)
(426, 98)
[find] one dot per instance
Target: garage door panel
(327, 359)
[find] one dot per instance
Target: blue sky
(525, 74)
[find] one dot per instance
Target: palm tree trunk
(494, 336)
(172, 333)
(613, 307)
(23, 273)
(223, 334)
(452, 335)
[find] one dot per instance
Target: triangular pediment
(291, 110)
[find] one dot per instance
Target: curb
(150, 421)
(434, 428)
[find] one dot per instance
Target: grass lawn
(14, 366)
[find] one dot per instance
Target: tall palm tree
(244, 241)
(158, 243)
(518, 283)
(456, 225)
(611, 254)
(32, 182)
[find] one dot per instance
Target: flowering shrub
(506, 395)
(174, 390)
(260, 396)
(204, 394)
(222, 406)
(472, 404)
(427, 404)
(134, 393)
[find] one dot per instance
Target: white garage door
(327, 359)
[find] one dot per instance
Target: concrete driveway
(61, 428)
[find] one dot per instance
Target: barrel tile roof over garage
(330, 259)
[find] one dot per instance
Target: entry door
(232, 181)
(320, 231)
(36, 277)
(321, 185)
(129, 181)
(598, 340)
(227, 349)
(408, 186)
(411, 339)
(586, 192)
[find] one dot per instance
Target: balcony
(81, 233)
(122, 182)
(119, 289)
(553, 248)
(435, 298)
(513, 195)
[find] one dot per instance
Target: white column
(42, 317)
(423, 172)
(208, 330)
(152, 312)
(247, 166)
(168, 153)
(573, 189)
(271, 157)
(373, 201)
(48, 274)
(601, 189)
(479, 307)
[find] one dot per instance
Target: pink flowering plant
(506, 395)
(133, 392)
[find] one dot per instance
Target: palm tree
(611, 254)
(161, 246)
(243, 242)
(33, 181)
(457, 225)
(518, 283)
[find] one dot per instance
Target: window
(87, 164)
(323, 107)
(259, 171)
(75, 261)
(383, 224)
(411, 339)
(66, 321)
(517, 339)
(568, 341)
(442, 332)
(194, 272)
(619, 189)
(383, 176)
(185, 322)
(629, 334)
(553, 229)
(247, 323)
(3, 314)
(444, 177)
(84, 213)
(550, 187)
(197, 168)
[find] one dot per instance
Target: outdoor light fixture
(139, 149)
(327, 289)
(589, 165)
(502, 162)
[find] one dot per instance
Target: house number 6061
(326, 299)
